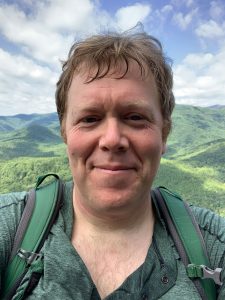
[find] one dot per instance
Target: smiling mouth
(114, 170)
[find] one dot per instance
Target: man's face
(113, 131)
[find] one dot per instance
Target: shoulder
(11, 209)
(210, 223)
(11, 206)
(212, 227)
(11, 199)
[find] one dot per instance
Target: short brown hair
(104, 52)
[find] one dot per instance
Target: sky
(35, 37)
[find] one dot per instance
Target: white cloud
(210, 30)
(20, 66)
(167, 8)
(25, 86)
(34, 38)
(200, 79)
(180, 3)
(216, 10)
(42, 36)
(49, 31)
(66, 15)
(198, 62)
(182, 20)
(160, 17)
(189, 2)
(127, 17)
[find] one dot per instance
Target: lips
(114, 167)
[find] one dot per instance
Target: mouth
(114, 168)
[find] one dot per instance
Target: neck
(112, 247)
(113, 225)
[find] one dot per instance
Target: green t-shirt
(162, 275)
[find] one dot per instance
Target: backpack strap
(188, 240)
(40, 212)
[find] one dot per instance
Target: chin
(114, 201)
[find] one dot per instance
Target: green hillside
(28, 141)
(194, 127)
(21, 173)
(201, 186)
(194, 165)
(10, 123)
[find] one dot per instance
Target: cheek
(75, 148)
(150, 152)
(150, 146)
(79, 147)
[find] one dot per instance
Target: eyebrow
(133, 104)
(141, 106)
(133, 107)
(95, 107)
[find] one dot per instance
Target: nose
(113, 138)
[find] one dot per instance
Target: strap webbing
(28, 210)
(36, 221)
(188, 240)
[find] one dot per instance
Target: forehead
(114, 69)
(131, 92)
(126, 77)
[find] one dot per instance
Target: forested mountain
(194, 165)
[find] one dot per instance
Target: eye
(90, 119)
(135, 117)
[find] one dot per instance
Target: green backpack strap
(189, 242)
(41, 209)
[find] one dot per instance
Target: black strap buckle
(28, 256)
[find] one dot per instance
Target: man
(114, 101)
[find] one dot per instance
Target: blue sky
(36, 35)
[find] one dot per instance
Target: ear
(164, 148)
(62, 131)
(165, 133)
